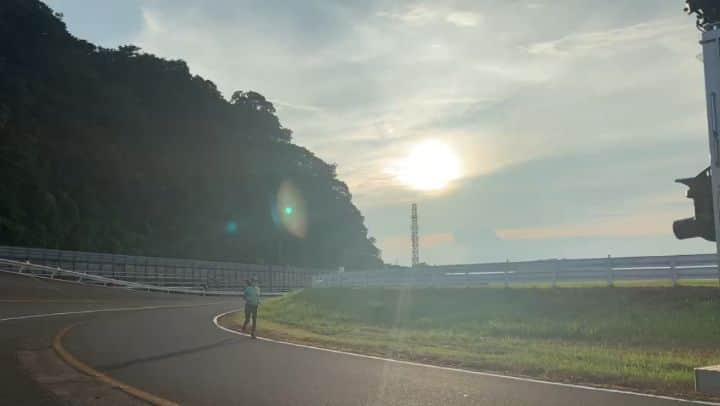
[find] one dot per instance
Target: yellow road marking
(88, 370)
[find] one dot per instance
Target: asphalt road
(22, 297)
(180, 355)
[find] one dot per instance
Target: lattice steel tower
(414, 235)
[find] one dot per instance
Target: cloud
(463, 18)
(396, 245)
(411, 15)
(151, 22)
(642, 225)
(421, 14)
(427, 241)
(612, 39)
(437, 239)
(376, 100)
(302, 107)
(560, 117)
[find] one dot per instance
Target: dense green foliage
(115, 150)
(646, 338)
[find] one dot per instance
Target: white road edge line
(466, 371)
(116, 309)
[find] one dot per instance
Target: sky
(570, 119)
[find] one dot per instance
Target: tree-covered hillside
(115, 150)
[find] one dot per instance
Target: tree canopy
(116, 150)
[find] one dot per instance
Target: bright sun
(430, 165)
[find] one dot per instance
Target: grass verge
(648, 339)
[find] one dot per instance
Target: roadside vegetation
(643, 338)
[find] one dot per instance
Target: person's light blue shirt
(252, 295)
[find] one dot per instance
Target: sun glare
(431, 165)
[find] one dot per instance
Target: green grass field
(644, 338)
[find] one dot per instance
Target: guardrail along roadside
(164, 273)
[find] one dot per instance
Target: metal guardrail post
(673, 274)
(506, 274)
(145, 266)
(193, 273)
(286, 277)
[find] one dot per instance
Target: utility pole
(711, 59)
(709, 25)
(414, 238)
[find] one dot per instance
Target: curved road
(177, 353)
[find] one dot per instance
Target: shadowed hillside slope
(115, 150)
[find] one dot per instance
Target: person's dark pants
(250, 310)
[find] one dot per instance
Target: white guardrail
(194, 275)
(46, 272)
(550, 272)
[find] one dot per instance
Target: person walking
(252, 301)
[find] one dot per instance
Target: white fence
(166, 272)
(553, 272)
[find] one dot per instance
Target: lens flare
(231, 227)
(290, 211)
